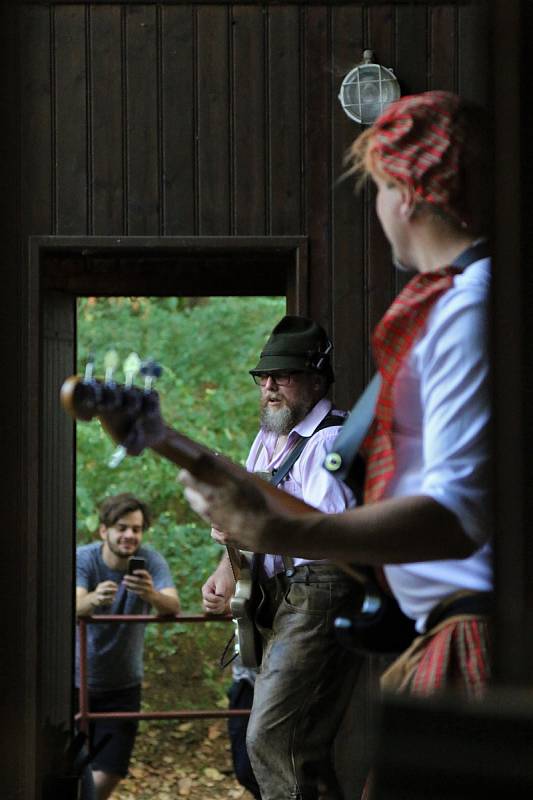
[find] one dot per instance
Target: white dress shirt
(307, 479)
(441, 438)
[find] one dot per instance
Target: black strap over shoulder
(329, 420)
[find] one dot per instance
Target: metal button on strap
(290, 572)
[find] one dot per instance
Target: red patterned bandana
(392, 340)
(419, 141)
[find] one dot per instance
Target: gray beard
(282, 421)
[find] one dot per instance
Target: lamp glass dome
(366, 91)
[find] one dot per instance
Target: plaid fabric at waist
(453, 653)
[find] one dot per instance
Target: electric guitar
(131, 415)
(243, 605)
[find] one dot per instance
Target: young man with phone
(118, 575)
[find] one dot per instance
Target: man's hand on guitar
(237, 509)
(218, 590)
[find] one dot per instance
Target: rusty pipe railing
(84, 715)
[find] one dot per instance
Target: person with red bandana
(426, 516)
(115, 651)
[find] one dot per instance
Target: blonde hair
(362, 160)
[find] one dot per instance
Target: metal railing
(85, 715)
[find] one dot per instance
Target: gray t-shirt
(115, 651)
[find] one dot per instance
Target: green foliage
(206, 347)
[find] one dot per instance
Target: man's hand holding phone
(138, 579)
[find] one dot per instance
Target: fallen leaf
(213, 774)
(184, 786)
(137, 772)
(214, 731)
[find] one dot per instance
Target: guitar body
(243, 605)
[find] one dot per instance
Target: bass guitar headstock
(130, 414)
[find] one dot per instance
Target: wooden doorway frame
(60, 270)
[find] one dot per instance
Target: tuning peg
(117, 457)
(89, 369)
(151, 371)
(110, 364)
(131, 368)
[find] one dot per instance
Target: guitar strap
(292, 457)
(346, 446)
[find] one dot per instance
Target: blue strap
(345, 447)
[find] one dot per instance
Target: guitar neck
(234, 556)
(214, 469)
(86, 399)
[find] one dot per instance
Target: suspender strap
(295, 453)
(289, 462)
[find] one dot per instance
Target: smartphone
(135, 562)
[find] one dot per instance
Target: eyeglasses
(279, 378)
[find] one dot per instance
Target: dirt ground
(190, 759)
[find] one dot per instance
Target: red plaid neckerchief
(392, 340)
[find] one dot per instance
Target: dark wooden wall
(176, 119)
(221, 119)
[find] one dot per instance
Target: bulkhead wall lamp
(367, 89)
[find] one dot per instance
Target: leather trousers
(304, 684)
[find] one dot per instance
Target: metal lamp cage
(367, 90)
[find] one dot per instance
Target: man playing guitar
(305, 678)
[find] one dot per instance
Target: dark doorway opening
(62, 269)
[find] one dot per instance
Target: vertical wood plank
(285, 134)
(319, 181)
(412, 47)
(105, 116)
(249, 118)
(381, 35)
(178, 121)
(37, 209)
(213, 98)
(510, 73)
(443, 48)
(349, 269)
(142, 121)
(18, 643)
(473, 48)
(70, 157)
(56, 528)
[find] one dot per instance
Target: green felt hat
(296, 344)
